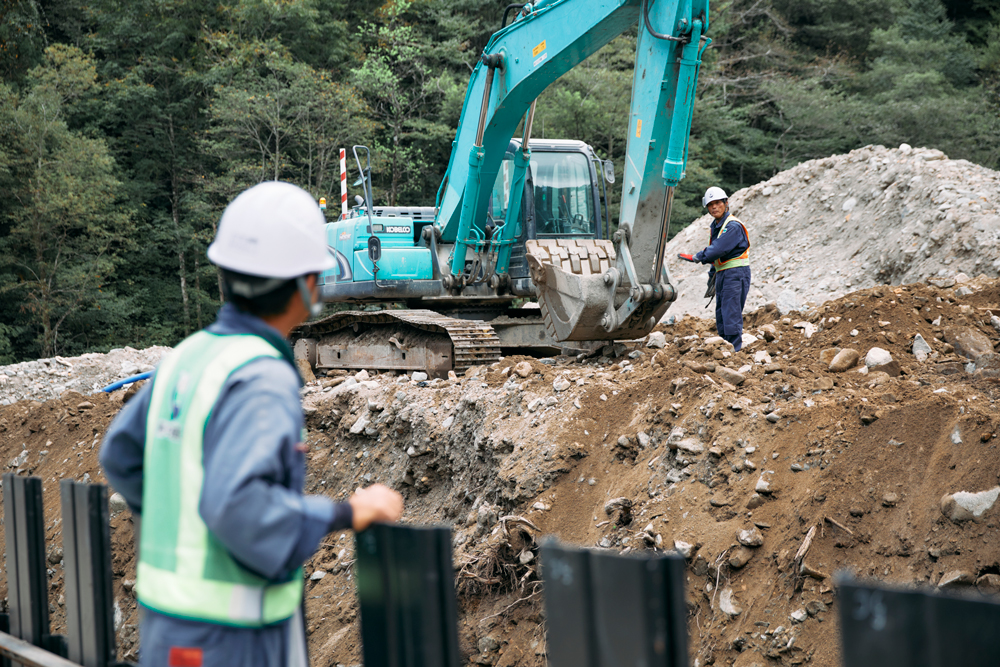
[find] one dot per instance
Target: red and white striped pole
(343, 183)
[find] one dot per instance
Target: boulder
(846, 359)
(305, 370)
(877, 357)
(921, 350)
(523, 369)
(728, 604)
(827, 355)
(769, 331)
(656, 339)
(730, 376)
(968, 342)
(988, 366)
(740, 557)
(750, 537)
(788, 301)
(957, 578)
(965, 506)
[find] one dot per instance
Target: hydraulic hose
(649, 27)
(129, 380)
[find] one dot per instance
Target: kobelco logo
(397, 229)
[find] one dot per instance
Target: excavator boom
(588, 289)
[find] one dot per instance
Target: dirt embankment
(733, 459)
(872, 216)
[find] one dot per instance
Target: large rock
(921, 349)
(827, 355)
(656, 339)
(728, 604)
(750, 537)
(965, 506)
(968, 342)
(305, 370)
(788, 301)
(845, 360)
(877, 357)
(730, 376)
(988, 366)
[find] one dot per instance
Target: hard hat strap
(315, 308)
(254, 289)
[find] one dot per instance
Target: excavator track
(469, 342)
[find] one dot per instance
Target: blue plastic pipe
(129, 380)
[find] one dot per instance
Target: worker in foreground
(728, 253)
(210, 454)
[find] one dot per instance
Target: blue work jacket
(252, 497)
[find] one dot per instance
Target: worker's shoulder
(266, 373)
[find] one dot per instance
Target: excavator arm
(587, 289)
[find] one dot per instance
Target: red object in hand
(686, 257)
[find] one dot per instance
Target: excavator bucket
(573, 294)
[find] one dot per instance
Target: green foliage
(21, 38)
(66, 225)
(121, 143)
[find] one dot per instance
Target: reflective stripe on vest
(183, 569)
(742, 260)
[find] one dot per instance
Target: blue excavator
(520, 218)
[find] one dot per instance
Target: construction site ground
(643, 449)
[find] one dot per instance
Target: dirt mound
(46, 379)
(766, 468)
(837, 224)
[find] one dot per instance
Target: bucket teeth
(572, 294)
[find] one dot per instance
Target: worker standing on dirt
(219, 430)
(728, 253)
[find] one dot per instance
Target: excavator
(520, 218)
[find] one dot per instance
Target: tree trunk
(197, 290)
(175, 214)
(394, 190)
(181, 265)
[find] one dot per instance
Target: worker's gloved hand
(686, 257)
(700, 256)
(377, 503)
(711, 279)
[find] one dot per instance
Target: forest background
(126, 125)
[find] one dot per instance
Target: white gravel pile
(838, 224)
(46, 379)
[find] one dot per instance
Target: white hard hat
(272, 230)
(713, 194)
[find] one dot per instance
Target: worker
(728, 253)
(210, 455)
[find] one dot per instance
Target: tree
(67, 224)
(401, 90)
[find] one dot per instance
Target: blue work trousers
(731, 289)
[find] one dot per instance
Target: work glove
(686, 257)
(700, 256)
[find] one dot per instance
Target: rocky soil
(857, 435)
(846, 222)
(46, 379)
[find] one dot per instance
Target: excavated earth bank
(689, 447)
(837, 224)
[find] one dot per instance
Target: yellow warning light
(322, 203)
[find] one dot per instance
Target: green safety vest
(184, 570)
(742, 260)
